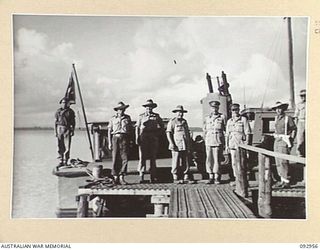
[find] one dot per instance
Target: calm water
(34, 186)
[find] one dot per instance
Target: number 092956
(309, 246)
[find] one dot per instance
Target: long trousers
(238, 162)
(64, 143)
(282, 165)
(213, 159)
(180, 162)
(301, 145)
(148, 149)
(120, 149)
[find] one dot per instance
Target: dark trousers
(64, 143)
(148, 149)
(120, 151)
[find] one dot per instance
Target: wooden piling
(83, 206)
(265, 190)
(242, 182)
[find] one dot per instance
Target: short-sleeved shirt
(237, 130)
(120, 124)
(149, 123)
(65, 117)
(214, 126)
(180, 131)
(284, 125)
(300, 112)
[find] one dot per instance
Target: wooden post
(264, 198)
(161, 205)
(83, 206)
(242, 182)
(96, 143)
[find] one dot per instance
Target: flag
(71, 91)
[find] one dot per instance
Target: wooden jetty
(169, 200)
(176, 200)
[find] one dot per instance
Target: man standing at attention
(64, 130)
(148, 129)
(237, 132)
(300, 117)
(119, 128)
(214, 126)
(285, 131)
(179, 143)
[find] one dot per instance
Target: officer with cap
(119, 128)
(300, 118)
(237, 132)
(214, 126)
(179, 143)
(285, 132)
(148, 129)
(64, 130)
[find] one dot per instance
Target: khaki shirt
(120, 124)
(214, 126)
(180, 131)
(300, 112)
(281, 127)
(237, 130)
(65, 117)
(150, 123)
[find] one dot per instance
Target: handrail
(293, 158)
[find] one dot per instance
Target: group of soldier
(219, 134)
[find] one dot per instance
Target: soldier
(300, 117)
(64, 130)
(148, 129)
(179, 143)
(119, 128)
(237, 132)
(214, 126)
(285, 131)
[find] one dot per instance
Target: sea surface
(35, 192)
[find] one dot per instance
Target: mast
(83, 110)
(291, 74)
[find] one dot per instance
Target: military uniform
(179, 129)
(64, 128)
(237, 132)
(300, 115)
(214, 126)
(149, 126)
(119, 128)
(284, 125)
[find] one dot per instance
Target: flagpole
(83, 110)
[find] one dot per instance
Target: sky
(131, 59)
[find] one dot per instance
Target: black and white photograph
(159, 117)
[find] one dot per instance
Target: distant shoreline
(39, 128)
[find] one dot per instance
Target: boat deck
(197, 200)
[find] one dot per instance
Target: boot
(175, 179)
(142, 180)
(210, 180)
(122, 181)
(217, 179)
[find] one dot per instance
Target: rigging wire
(278, 36)
(276, 30)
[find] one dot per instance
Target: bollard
(96, 171)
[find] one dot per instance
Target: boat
(86, 190)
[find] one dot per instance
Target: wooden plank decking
(186, 200)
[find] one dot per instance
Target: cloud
(131, 59)
(41, 71)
